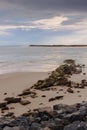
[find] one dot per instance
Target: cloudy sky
(43, 22)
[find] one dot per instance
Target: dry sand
(14, 83)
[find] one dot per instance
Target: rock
(43, 96)
(46, 128)
(51, 99)
(78, 91)
(24, 102)
(69, 61)
(12, 100)
(27, 92)
(81, 86)
(60, 75)
(19, 121)
(55, 98)
(61, 117)
(40, 103)
(84, 73)
(76, 85)
(76, 126)
(12, 108)
(8, 128)
(3, 105)
(5, 108)
(70, 90)
(5, 93)
(9, 114)
(33, 96)
(26, 114)
(47, 109)
(58, 97)
(84, 82)
(15, 128)
(35, 126)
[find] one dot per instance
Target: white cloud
(51, 23)
(54, 23)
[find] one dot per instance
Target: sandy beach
(14, 83)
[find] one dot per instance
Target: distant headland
(58, 45)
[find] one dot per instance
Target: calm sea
(34, 59)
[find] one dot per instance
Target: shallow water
(25, 58)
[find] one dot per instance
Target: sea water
(38, 59)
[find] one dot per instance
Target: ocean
(38, 59)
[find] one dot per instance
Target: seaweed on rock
(60, 75)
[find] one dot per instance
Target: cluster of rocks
(10, 100)
(60, 76)
(60, 117)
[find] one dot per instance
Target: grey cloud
(41, 8)
(73, 20)
(51, 4)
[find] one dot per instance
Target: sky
(24, 22)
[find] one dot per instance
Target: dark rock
(70, 90)
(35, 126)
(5, 93)
(5, 108)
(75, 116)
(59, 97)
(61, 117)
(51, 99)
(12, 100)
(59, 76)
(9, 114)
(3, 104)
(43, 95)
(19, 121)
(38, 119)
(84, 73)
(76, 126)
(69, 61)
(55, 98)
(27, 92)
(78, 91)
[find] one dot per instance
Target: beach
(43, 88)
(13, 84)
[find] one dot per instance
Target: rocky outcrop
(60, 75)
(60, 117)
